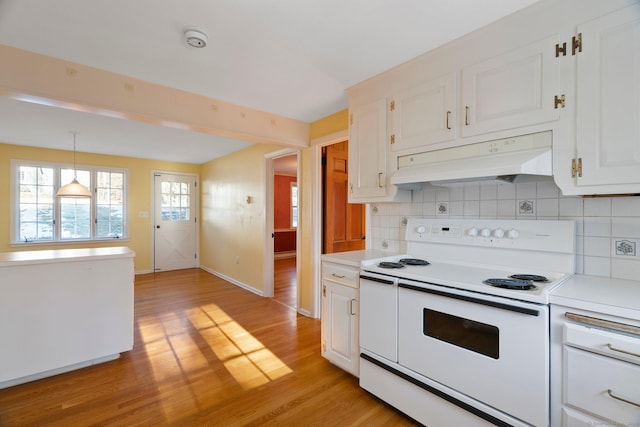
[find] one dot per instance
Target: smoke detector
(195, 38)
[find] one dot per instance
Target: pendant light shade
(74, 189)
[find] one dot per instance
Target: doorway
(175, 229)
(282, 243)
(285, 224)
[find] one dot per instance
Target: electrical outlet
(143, 214)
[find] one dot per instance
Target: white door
(175, 222)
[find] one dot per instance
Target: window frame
(16, 164)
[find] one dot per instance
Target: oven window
(475, 336)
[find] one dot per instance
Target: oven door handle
(377, 279)
(523, 310)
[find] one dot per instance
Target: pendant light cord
(75, 174)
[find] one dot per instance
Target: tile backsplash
(608, 228)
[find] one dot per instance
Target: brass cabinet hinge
(324, 290)
(558, 101)
(350, 188)
(576, 167)
(393, 139)
(392, 105)
(576, 44)
(324, 346)
(351, 119)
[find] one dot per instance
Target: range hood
(511, 159)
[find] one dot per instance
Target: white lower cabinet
(340, 344)
(600, 370)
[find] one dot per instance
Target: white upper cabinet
(608, 103)
(368, 169)
(424, 115)
(512, 90)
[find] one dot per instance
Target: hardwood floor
(206, 353)
(285, 281)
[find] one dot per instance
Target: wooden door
(344, 223)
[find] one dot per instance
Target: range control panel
(550, 236)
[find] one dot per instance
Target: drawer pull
(612, 348)
(613, 396)
(337, 275)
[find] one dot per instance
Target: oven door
(492, 349)
(379, 315)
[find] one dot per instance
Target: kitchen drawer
(607, 342)
(595, 384)
(573, 418)
(340, 274)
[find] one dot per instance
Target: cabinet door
(367, 151)
(513, 90)
(424, 115)
(608, 99)
(340, 326)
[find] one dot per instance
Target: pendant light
(74, 189)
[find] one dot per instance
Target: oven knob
(499, 233)
(513, 233)
(421, 229)
(485, 232)
(473, 232)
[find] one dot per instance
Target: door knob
(157, 226)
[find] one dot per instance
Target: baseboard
(233, 281)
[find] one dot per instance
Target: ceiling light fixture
(195, 38)
(74, 188)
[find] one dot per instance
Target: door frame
(152, 216)
(316, 212)
(268, 257)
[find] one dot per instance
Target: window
(41, 217)
(294, 205)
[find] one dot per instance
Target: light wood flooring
(285, 281)
(206, 353)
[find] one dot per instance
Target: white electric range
(463, 319)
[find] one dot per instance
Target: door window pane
(175, 201)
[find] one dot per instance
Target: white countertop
(616, 297)
(13, 259)
(354, 258)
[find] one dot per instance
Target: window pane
(35, 204)
(110, 205)
(75, 218)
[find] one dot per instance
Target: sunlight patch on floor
(174, 349)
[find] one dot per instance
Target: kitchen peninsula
(63, 309)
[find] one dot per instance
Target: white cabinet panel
(608, 100)
(367, 151)
(513, 90)
(340, 344)
(424, 115)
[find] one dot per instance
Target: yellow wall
(233, 231)
(331, 124)
(139, 196)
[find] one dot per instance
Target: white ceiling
(293, 58)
